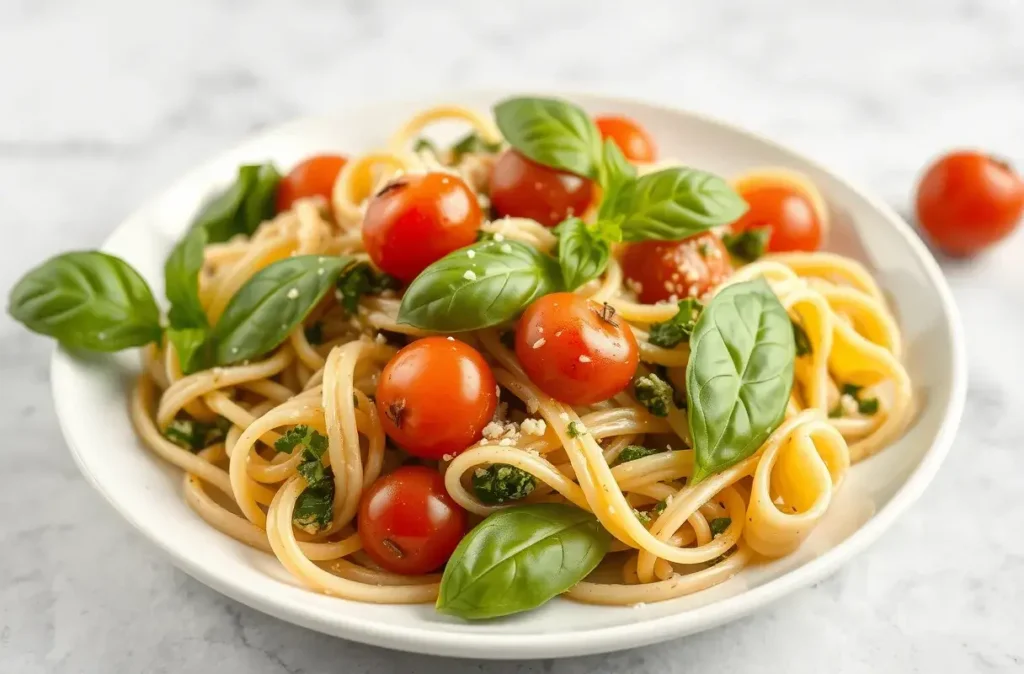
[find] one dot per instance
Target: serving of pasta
(537, 362)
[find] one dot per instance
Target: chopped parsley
(500, 483)
(314, 507)
(803, 342)
(866, 406)
(362, 279)
(573, 429)
(634, 452)
(654, 393)
(193, 435)
(748, 245)
(719, 525)
(643, 516)
(678, 328)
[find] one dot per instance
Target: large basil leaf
(270, 305)
(479, 286)
(616, 173)
(241, 207)
(739, 375)
(520, 557)
(552, 132)
(88, 300)
(181, 281)
(674, 204)
(583, 252)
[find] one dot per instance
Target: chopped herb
(643, 516)
(501, 482)
(314, 446)
(748, 245)
(573, 430)
(472, 143)
(634, 452)
(654, 393)
(678, 328)
(867, 406)
(315, 333)
(425, 145)
(803, 342)
(195, 435)
(721, 558)
(719, 525)
(851, 390)
(659, 507)
(315, 506)
(836, 412)
(481, 235)
(362, 279)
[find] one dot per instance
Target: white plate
(90, 397)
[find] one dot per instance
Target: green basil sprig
(583, 250)
(616, 172)
(479, 286)
(519, 558)
(739, 375)
(270, 304)
(89, 300)
(552, 132)
(243, 206)
(748, 245)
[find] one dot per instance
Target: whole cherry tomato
(435, 396)
(312, 177)
(525, 189)
(418, 219)
(787, 211)
(575, 350)
(968, 201)
(674, 270)
(408, 523)
(634, 141)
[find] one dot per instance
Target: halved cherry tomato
(674, 270)
(525, 189)
(968, 201)
(408, 523)
(418, 219)
(634, 141)
(312, 177)
(575, 350)
(435, 397)
(786, 210)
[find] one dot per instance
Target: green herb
(243, 206)
(500, 483)
(678, 328)
(312, 465)
(801, 340)
(301, 436)
(519, 558)
(867, 406)
(314, 333)
(583, 250)
(616, 172)
(659, 507)
(748, 245)
(195, 435)
(719, 525)
(181, 281)
(270, 304)
(851, 390)
(460, 292)
(425, 145)
(739, 375)
(634, 452)
(87, 300)
(654, 393)
(362, 279)
(643, 516)
(573, 430)
(192, 346)
(471, 143)
(314, 508)
(552, 132)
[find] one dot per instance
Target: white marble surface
(102, 103)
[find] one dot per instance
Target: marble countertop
(105, 102)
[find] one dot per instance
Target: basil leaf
(260, 202)
(475, 287)
(616, 172)
(314, 508)
(241, 207)
(583, 252)
(802, 341)
(181, 281)
(675, 203)
(270, 305)
(192, 347)
(471, 143)
(669, 334)
(748, 245)
(739, 375)
(520, 557)
(719, 525)
(89, 300)
(362, 279)
(551, 132)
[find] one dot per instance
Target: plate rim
(607, 638)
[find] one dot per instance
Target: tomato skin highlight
(418, 219)
(435, 396)
(523, 188)
(968, 201)
(634, 141)
(659, 271)
(311, 177)
(408, 523)
(575, 350)
(795, 225)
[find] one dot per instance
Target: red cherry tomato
(575, 350)
(674, 270)
(787, 211)
(634, 141)
(435, 397)
(312, 177)
(968, 201)
(525, 189)
(418, 219)
(408, 523)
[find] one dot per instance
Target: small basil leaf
(616, 172)
(582, 253)
(674, 331)
(551, 132)
(270, 304)
(472, 143)
(181, 281)
(739, 375)
(748, 245)
(520, 557)
(241, 207)
(479, 286)
(260, 201)
(192, 347)
(89, 300)
(802, 341)
(675, 203)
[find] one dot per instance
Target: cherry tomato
(788, 211)
(968, 201)
(674, 270)
(418, 219)
(435, 397)
(575, 350)
(408, 523)
(312, 177)
(634, 141)
(525, 189)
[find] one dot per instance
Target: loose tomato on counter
(575, 350)
(408, 523)
(525, 189)
(435, 396)
(786, 203)
(418, 219)
(968, 201)
(312, 177)
(662, 270)
(634, 141)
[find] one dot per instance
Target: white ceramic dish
(91, 402)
